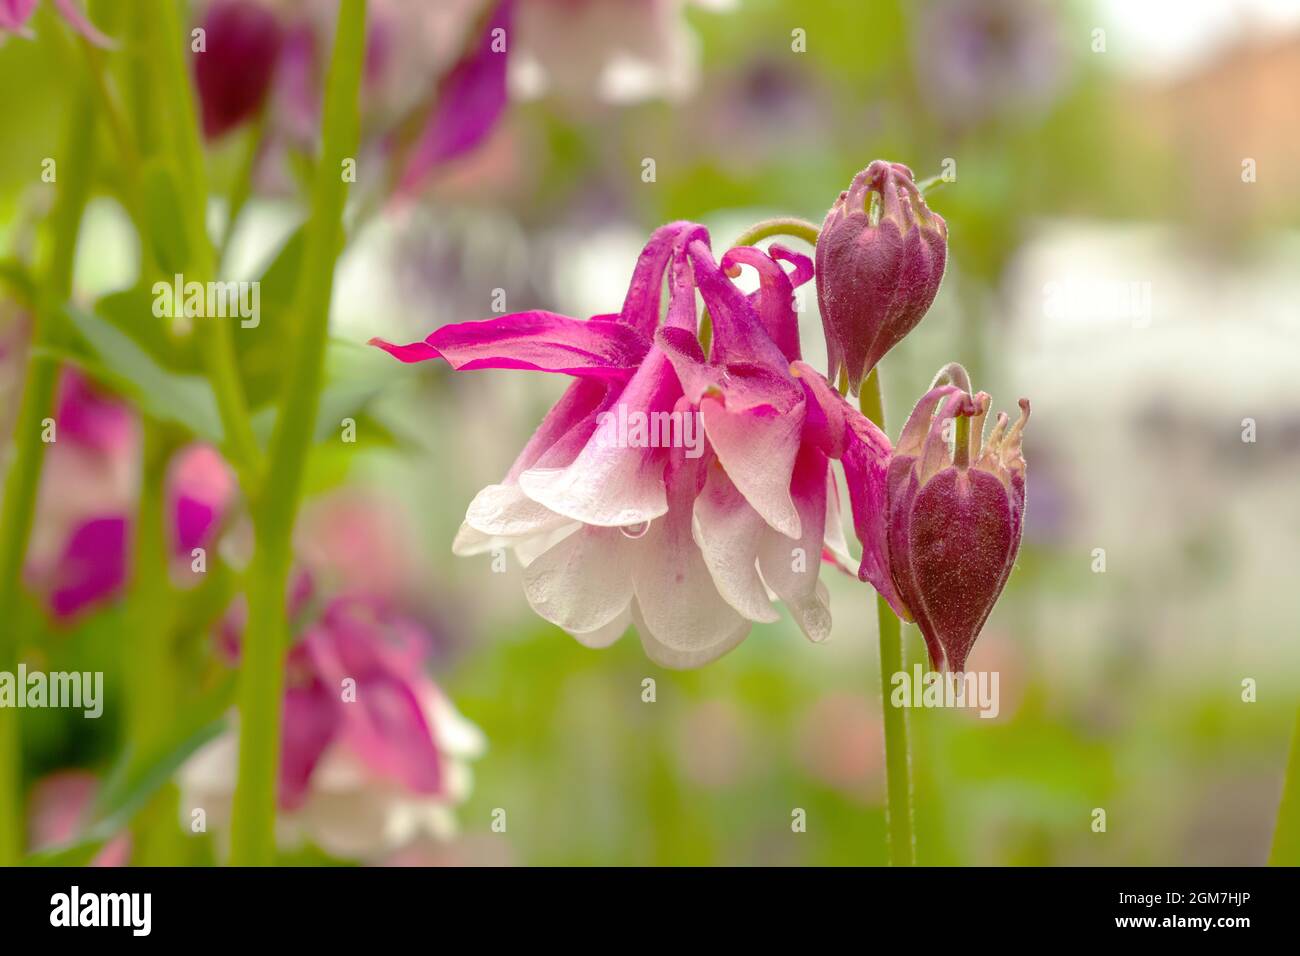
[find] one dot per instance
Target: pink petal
(93, 566)
(469, 102)
(738, 333)
(608, 483)
(310, 721)
(15, 13)
(841, 431)
(774, 300)
(567, 427)
(641, 304)
(78, 20)
(758, 448)
(541, 341)
(386, 725)
(201, 487)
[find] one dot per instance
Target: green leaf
(261, 351)
(353, 377)
(126, 367)
(134, 782)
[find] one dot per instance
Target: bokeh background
(1123, 248)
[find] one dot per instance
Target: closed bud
(234, 72)
(880, 259)
(954, 514)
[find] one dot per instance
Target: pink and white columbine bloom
(373, 756)
(689, 547)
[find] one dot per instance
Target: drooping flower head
(668, 487)
(880, 258)
(373, 752)
(954, 515)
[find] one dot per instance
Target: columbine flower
(954, 517)
(683, 538)
(79, 553)
(233, 73)
(15, 13)
(878, 267)
(373, 754)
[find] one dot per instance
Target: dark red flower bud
(954, 517)
(233, 71)
(879, 265)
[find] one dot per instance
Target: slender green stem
(1286, 837)
(149, 658)
(23, 478)
(262, 676)
(898, 769)
(781, 226)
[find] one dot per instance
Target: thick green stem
(262, 677)
(168, 45)
(1286, 836)
(23, 478)
(898, 769)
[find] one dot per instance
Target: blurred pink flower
(58, 805)
(200, 491)
(359, 541)
(15, 13)
(373, 753)
(79, 554)
(724, 497)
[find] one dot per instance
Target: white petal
(608, 487)
(836, 542)
(759, 456)
(506, 511)
(605, 636)
(727, 531)
(682, 619)
(584, 582)
(791, 567)
(701, 648)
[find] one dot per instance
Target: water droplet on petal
(637, 530)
